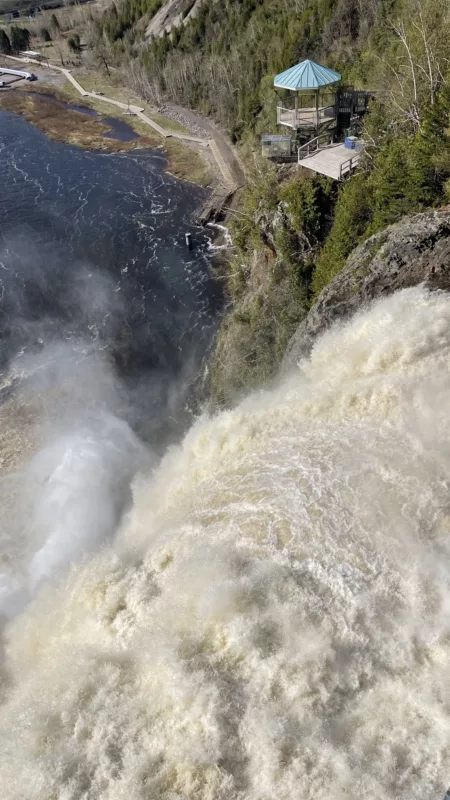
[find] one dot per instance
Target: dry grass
(187, 162)
(65, 125)
(94, 82)
(165, 122)
(54, 50)
(66, 93)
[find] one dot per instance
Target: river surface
(93, 255)
(271, 619)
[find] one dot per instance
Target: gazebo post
(317, 108)
(296, 107)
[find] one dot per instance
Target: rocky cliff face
(415, 250)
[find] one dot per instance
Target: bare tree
(58, 48)
(145, 85)
(414, 65)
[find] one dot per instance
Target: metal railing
(314, 144)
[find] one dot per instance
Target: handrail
(304, 116)
(307, 146)
(346, 166)
(281, 110)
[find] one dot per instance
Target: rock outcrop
(415, 250)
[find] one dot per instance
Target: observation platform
(335, 161)
(311, 117)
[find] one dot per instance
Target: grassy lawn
(186, 163)
(54, 50)
(168, 124)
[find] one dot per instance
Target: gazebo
(314, 106)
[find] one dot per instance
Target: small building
(31, 54)
(323, 116)
(276, 146)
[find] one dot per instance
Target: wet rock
(415, 250)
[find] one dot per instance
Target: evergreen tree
(352, 217)
(54, 25)
(20, 38)
(392, 183)
(431, 151)
(73, 43)
(5, 44)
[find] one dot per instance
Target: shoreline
(196, 152)
(48, 109)
(51, 110)
(50, 114)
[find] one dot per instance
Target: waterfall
(271, 619)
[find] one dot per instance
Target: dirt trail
(199, 124)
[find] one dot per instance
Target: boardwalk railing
(347, 166)
(322, 140)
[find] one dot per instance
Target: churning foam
(273, 620)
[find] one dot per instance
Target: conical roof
(306, 75)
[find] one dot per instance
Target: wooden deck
(335, 161)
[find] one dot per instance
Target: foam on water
(65, 503)
(273, 619)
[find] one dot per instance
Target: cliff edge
(415, 250)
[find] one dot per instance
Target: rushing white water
(272, 621)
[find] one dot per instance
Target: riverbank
(186, 135)
(197, 152)
(46, 108)
(68, 125)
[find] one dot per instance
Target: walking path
(223, 162)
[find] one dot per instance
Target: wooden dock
(335, 161)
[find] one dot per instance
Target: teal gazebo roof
(306, 75)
